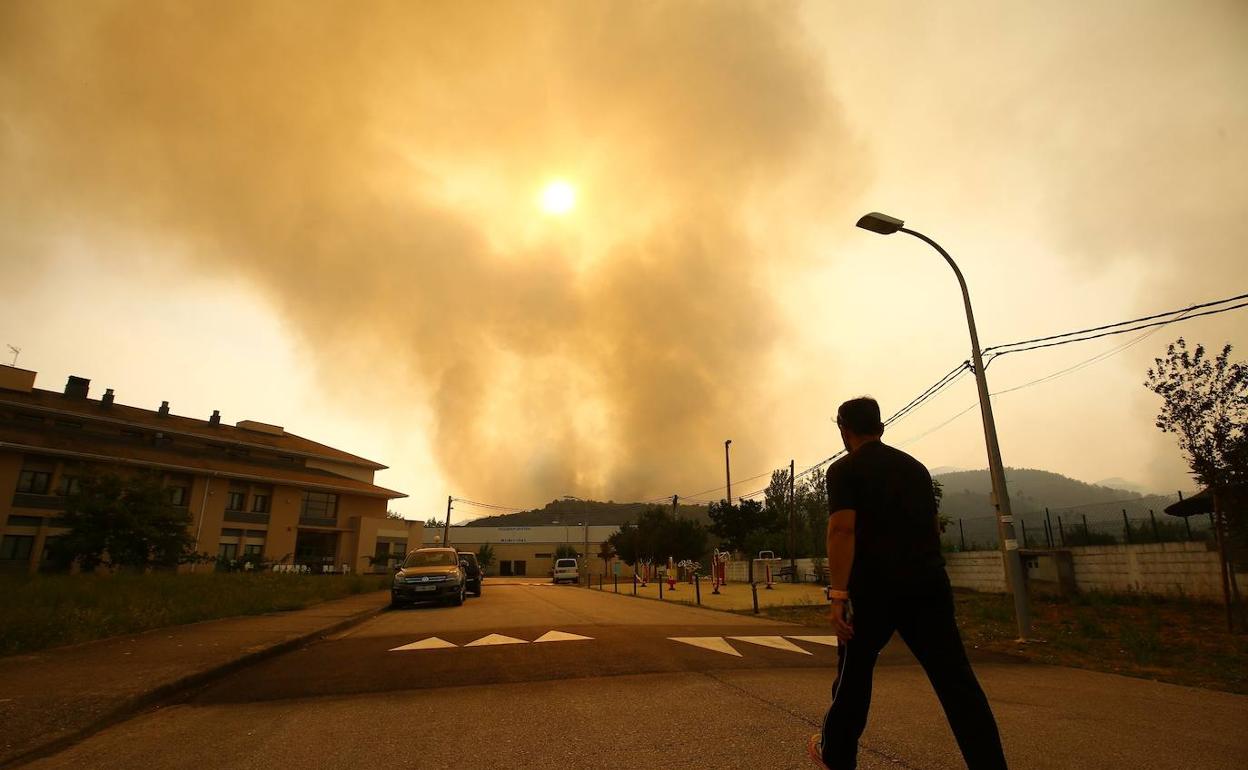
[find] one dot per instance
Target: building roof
(58, 403)
(94, 447)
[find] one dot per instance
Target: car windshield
(431, 559)
(566, 563)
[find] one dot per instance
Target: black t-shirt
(896, 540)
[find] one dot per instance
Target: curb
(177, 687)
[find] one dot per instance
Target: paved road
(649, 684)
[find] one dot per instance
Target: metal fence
(1143, 521)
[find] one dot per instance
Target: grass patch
(51, 610)
(1169, 640)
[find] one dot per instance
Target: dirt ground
(1169, 640)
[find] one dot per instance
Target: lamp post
(728, 472)
(582, 564)
(886, 225)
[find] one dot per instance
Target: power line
(1155, 316)
(998, 353)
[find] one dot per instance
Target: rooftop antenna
(16, 352)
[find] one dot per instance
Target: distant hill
(593, 512)
(1032, 490)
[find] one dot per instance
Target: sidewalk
(55, 696)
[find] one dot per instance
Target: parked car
(472, 572)
(429, 574)
(565, 569)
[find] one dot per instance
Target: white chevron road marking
(561, 636)
(493, 639)
(774, 642)
(828, 640)
(432, 643)
(712, 643)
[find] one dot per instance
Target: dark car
(472, 572)
(429, 574)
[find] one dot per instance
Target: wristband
(837, 594)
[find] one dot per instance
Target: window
(231, 532)
(543, 555)
(252, 549)
(320, 505)
(16, 547)
(259, 503)
(34, 482)
(68, 485)
(177, 495)
(234, 501)
(25, 521)
(228, 551)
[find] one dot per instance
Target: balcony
(42, 502)
(318, 521)
(242, 517)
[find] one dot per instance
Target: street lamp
(886, 225)
(583, 563)
(728, 471)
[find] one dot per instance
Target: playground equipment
(766, 560)
(719, 569)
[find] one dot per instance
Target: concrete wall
(1174, 569)
(977, 570)
(1163, 569)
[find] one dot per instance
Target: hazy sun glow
(558, 197)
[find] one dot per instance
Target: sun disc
(558, 197)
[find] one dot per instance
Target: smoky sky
(371, 169)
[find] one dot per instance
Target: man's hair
(861, 416)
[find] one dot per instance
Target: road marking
(828, 640)
(432, 643)
(774, 642)
(493, 639)
(560, 636)
(712, 643)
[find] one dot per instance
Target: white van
(565, 569)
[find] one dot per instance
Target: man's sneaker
(814, 747)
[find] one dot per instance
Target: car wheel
(458, 601)
(477, 593)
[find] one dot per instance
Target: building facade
(530, 551)
(251, 489)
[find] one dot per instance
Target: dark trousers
(925, 622)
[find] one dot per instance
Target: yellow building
(250, 488)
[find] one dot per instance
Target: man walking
(886, 574)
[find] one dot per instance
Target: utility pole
(728, 471)
(446, 530)
(792, 519)
(675, 506)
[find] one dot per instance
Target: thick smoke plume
(373, 167)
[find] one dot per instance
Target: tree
(565, 551)
(734, 525)
(1205, 404)
(433, 523)
(606, 552)
(116, 522)
(624, 541)
(395, 515)
(485, 555)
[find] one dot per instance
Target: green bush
(51, 610)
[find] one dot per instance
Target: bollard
(769, 588)
(634, 584)
(660, 582)
(617, 583)
(754, 591)
(697, 589)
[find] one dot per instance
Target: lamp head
(880, 223)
